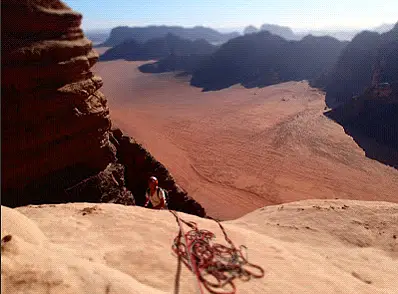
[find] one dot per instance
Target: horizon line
(241, 28)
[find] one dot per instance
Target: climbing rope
(215, 266)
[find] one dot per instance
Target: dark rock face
(55, 121)
(367, 54)
(107, 186)
(263, 59)
(157, 48)
(353, 90)
(143, 34)
(373, 124)
(140, 165)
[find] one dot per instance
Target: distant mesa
(253, 60)
(343, 69)
(282, 31)
(342, 35)
(262, 59)
(117, 35)
(158, 48)
(143, 34)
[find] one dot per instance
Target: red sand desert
(239, 149)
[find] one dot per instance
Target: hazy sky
(299, 14)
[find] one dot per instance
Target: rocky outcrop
(55, 121)
(107, 186)
(56, 126)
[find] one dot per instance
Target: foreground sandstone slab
(312, 246)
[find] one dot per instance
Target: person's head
(153, 182)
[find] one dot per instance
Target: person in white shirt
(155, 195)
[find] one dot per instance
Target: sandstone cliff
(55, 121)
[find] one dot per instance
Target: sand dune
(239, 149)
(311, 246)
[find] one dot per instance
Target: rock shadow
(374, 127)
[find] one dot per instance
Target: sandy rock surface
(312, 246)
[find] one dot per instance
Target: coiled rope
(215, 266)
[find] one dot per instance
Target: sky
(230, 14)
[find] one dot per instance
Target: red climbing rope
(214, 265)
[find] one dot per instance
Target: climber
(155, 195)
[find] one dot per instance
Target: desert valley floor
(238, 149)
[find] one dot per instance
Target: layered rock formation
(55, 121)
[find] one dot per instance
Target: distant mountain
(367, 55)
(97, 36)
(158, 48)
(383, 28)
(143, 34)
(284, 32)
(263, 59)
(250, 30)
(342, 35)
